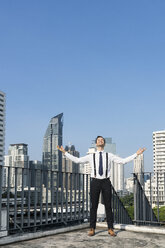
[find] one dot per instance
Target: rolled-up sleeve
(119, 160)
(76, 160)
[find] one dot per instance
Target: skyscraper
(52, 157)
(2, 126)
(139, 167)
(70, 167)
(159, 165)
(157, 186)
(159, 152)
(117, 170)
(109, 146)
(17, 158)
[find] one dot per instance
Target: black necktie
(100, 164)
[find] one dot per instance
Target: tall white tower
(159, 151)
(159, 164)
(139, 167)
(2, 126)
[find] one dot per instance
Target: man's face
(100, 142)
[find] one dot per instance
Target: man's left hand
(140, 151)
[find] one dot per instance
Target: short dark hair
(100, 137)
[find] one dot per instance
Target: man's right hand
(61, 149)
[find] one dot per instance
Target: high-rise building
(159, 165)
(52, 157)
(17, 159)
(156, 184)
(129, 182)
(159, 152)
(117, 170)
(109, 146)
(139, 168)
(70, 167)
(117, 176)
(2, 127)
(67, 164)
(35, 167)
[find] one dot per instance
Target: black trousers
(97, 186)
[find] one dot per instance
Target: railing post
(139, 202)
(151, 213)
(71, 186)
(15, 198)
(35, 197)
(57, 196)
(86, 196)
(113, 202)
(47, 182)
(75, 195)
(28, 197)
(22, 199)
(66, 188)
(157, 196)
(135, 197)
(41, 200)
(8, 197)
(83, 188)
(144, 200)
(79, 198)
(52, 195)
(3, 210)
(62, 196)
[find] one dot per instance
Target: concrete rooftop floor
(79, 239)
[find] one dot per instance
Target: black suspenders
(94, 162)
(106, 164)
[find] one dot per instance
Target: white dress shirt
(89, 159)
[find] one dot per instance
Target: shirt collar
(100, 151)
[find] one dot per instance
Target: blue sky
(100, 62)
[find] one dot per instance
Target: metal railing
(120, 213)
(36, 205)
(149, 197)
(36, 199)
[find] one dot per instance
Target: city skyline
(101, 64)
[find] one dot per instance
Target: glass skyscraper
(52, 157)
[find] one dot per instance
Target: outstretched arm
(81, 160)
(119, 160)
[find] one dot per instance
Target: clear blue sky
(100, 62)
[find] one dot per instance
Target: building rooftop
(19, 144)
(80, 239)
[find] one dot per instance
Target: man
(100, 163)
